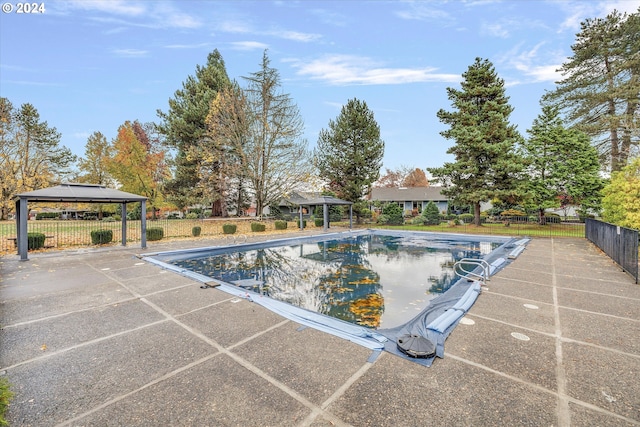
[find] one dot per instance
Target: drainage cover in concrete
(531, 306)
(519, 336)
(465, 321)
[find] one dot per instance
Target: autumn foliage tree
(135, 167)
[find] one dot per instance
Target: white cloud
(188, 46)
(241, 27)
(579, 11)
(535, 65)
(495, 29)
(118, 7)
(249, 45)
(356, 70)
(134, 13)
(423, 11)
(130, 53)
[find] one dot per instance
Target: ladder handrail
(475, 261)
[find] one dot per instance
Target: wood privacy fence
(619, 243)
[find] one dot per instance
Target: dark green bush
(394, 213)
(258, 226)
(155, 233)
(195, 231)
(48, 215)
(229, 228)
(431, 214)
(99, 237)
(280, 224)
(35, 240)
(319, 222)
(304, 223)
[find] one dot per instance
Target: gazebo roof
(326, 200)
(74, 192)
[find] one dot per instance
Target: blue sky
(91, 65)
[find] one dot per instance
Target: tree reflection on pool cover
(372, 280)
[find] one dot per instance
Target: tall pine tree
(349, 153)
(562, 165)
(184, 126)
(600, 91)
(486, 164)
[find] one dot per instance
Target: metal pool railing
(619, 243)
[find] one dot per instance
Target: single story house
(411, 198)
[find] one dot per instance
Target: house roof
(74, 192)
(408, 194)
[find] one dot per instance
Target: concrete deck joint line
(564, 413)
(336, 395)
(247, 365)
(131, 393)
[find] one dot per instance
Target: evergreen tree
(621, 204)
(600, 91)
(562, 165)
(184, 126)
(223, 163)
(349, 153)
(431, 214)
(486, 164)
(30, 154)
(275, 155)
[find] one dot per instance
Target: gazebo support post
(350, 216)
(143, 224)
(22, 239)
(123, 214)
(325, 216)
(301, 223)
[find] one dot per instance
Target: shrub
(304, 223)
(258, 226)
(431, 214)
(195, 231)
(466, 218)
(280, 224)
(47, 215)
(419, 220)
(35, 240)
(275, 211)
(318, 222)
(108, 219)
(287, 218)
(229, 228)
(117, 217)
(99, 237)
(513, 212)
(192, 215)
(155, 233)
(394, 213)
(383, 219)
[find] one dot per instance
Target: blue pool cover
(435, 322)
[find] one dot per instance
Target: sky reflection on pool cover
(374, 281)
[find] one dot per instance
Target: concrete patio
(101, 338)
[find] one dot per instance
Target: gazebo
(75, 193)
(327, 201)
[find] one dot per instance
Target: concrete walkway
(101, 338)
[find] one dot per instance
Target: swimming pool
(368, 284)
